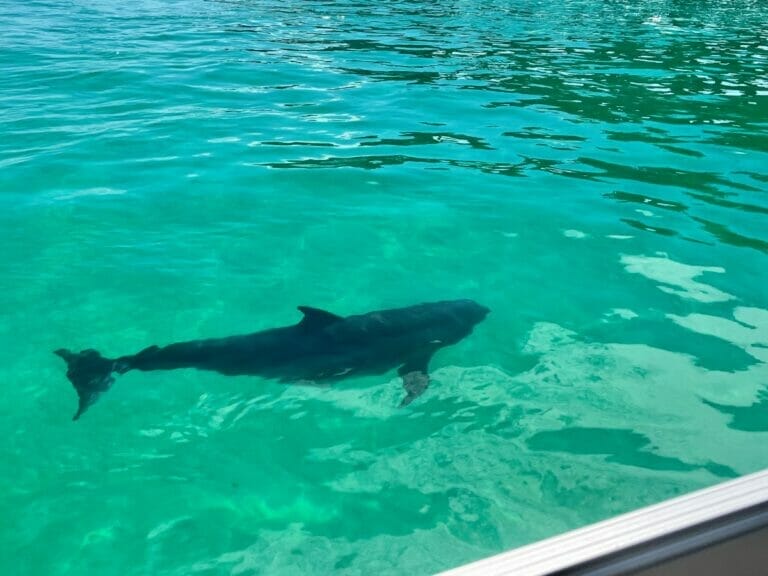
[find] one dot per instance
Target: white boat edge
(660, 534)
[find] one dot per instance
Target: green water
(593, 171)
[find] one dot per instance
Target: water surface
(593, 171)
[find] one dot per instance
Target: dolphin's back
(412, 321)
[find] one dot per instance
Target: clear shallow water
(594, 172)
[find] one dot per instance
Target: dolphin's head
(459, 317)
(470, 311)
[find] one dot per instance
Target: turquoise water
(592, 171)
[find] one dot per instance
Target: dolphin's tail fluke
(90, 374)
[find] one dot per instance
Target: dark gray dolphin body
(322, 347)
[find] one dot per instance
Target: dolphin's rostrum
(322, 347)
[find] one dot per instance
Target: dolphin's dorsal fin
(316, 318)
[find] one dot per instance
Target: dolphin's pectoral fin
(316, 318)
(415, 379)
(414, 383)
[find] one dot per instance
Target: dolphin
(322, 347)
